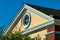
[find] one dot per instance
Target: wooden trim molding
(52, 32)
(38, 27)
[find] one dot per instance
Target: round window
(26, 20)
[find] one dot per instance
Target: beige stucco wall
(40, 33)
(35, 21)
(17, 27)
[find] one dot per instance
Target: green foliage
(17, 36)
(38, 38)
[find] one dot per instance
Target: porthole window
(26, 20)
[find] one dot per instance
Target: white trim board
(38, 27)
(52, 32)
(57, 22)
(38, 12)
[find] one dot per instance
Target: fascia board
(50, 19)
(52, 32)
(57, 22)
(38, 12)
(38, 27)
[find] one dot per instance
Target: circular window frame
(22, 20)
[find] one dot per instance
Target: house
(36, 21)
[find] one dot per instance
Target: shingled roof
(48, 11)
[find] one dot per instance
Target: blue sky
(9, 8)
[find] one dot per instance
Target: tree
(38, 38)
(2, 28)
(16, 36)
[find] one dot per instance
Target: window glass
(26, 20)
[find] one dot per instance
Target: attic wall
(17, 27)
(35, 21)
